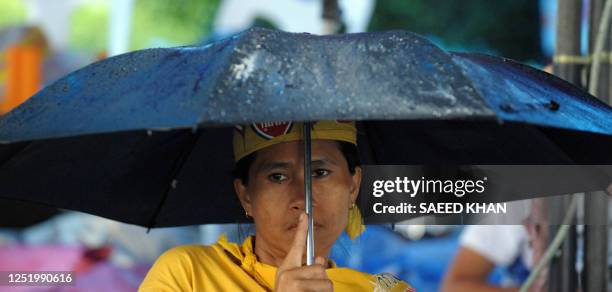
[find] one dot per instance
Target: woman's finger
(319, 285)
(305, 273)
(320, 261)
(296, 253)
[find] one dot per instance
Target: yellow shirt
(226, 266)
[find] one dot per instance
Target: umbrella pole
(308, 194)
(562, 275)
(596, 273)
(331, 23)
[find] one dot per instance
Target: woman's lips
(294, 225)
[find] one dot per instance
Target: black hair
(349, 150)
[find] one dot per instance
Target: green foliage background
(11, 12)
(89, 27)
(510, 28)
(156, 23)
(176, 22)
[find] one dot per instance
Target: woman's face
(274, 196)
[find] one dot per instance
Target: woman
(269, 183)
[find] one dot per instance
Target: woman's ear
(355, 184)
(241, 192)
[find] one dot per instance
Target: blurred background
(42, 40)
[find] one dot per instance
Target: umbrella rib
(560, 151)
(15, 150)
(178, 166)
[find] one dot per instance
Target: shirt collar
(263, 273)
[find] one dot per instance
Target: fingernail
(302, 217)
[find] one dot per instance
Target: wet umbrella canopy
(145, 137)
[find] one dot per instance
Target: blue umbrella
(145, 137)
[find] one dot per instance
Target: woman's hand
(292, 276)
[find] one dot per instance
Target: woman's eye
(320, 172)
(277, 177)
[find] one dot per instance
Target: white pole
(54, 19)
(120, 26)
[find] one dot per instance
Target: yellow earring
(355, 223)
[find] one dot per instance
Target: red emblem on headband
(269, 130)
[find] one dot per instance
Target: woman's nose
(297, 193)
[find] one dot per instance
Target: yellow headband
(254, 137)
